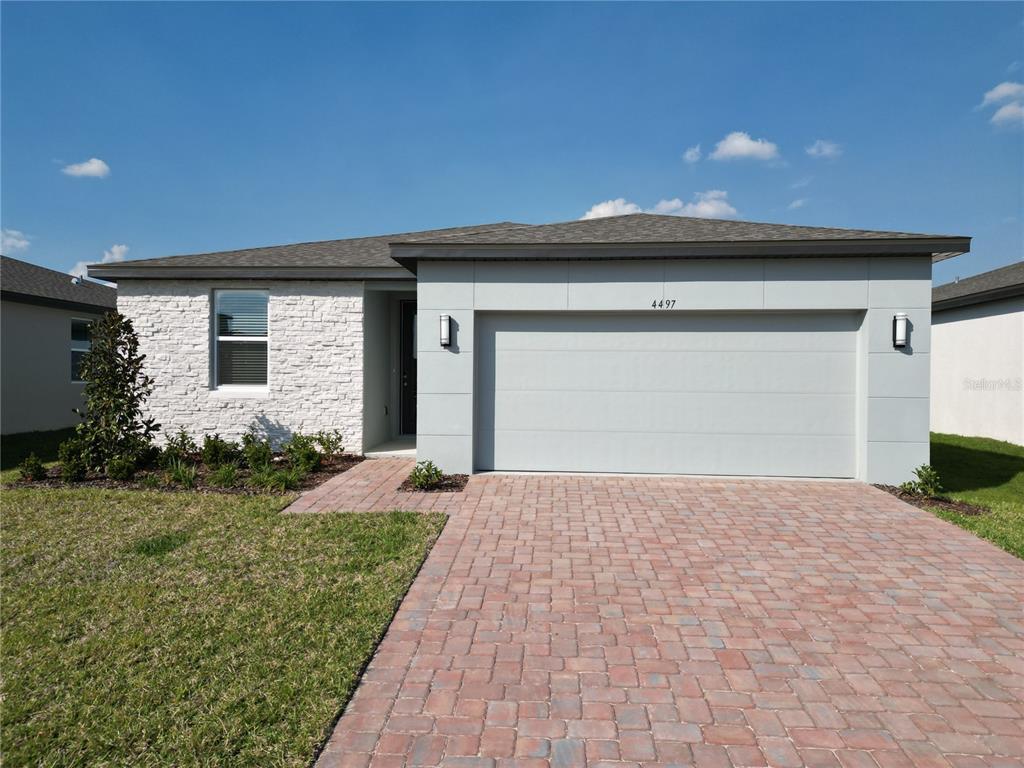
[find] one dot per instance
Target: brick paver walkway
(644, 621)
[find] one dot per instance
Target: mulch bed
(447, 484)
(328, 469)
(934, 502)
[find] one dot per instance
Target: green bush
(32, 468)
(180, 447)
(71, 455)
(331, 443)
(927, 483)
(276, 480)
(116, 387)
(151, 481)
(302, 453)
(183, 473)
(425, 475)
(257, 451)
(218, 452)
(121, 468)
(225, 476)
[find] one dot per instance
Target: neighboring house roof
(32, 284)
(1002, 283)
(646, 235)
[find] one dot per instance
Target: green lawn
(184, 629)
(986, 472)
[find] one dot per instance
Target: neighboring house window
(240, 332)
(81, 341)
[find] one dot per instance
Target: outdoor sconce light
(446, 330)
(899, 329)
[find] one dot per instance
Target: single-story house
(638, 343)
(44, 331)
(978, 355)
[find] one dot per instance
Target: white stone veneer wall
(315, 358)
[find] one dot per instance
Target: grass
(155, 629)
(989, 473)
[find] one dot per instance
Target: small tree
(115, 389)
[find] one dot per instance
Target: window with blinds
(81, 341)
(240, 333)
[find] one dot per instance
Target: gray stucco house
(978, 355)
(639, 343)
(44, 323)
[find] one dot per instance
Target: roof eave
(939, 249)
(980, 297)
(127, 271)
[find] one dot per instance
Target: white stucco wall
(891, 385)
(37, 391)
(315, 358)
(977, 370)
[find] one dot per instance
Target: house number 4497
(663, 303)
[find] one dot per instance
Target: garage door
(698, 393)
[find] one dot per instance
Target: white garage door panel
(696, 413)
(701, 393)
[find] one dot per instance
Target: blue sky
(199, 127)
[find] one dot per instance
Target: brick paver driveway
(579, 620)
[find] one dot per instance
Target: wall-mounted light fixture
(446, 330)
(899, 329)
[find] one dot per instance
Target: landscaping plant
(302, 452)
(218, 452)
(257, 451)
(121, 468)
(183, 473)
(331, 443)
(927, 483)
(32, 468)
(425, 475)
(225, 476)
(71, 455)
(180, 447)
(116, 386)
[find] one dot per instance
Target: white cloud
(824, 149)
(802, 182)
(692, 154)
(738, 145)
(1008, 91)
(116, 253)
(1009, 114)
(12, 241)
(93, 167)
(800, 202)
(712, 204)
(617, 207)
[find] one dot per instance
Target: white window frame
(215, 346)
(78, 346)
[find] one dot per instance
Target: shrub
(927, 483)
(71, 455)
(151, 481)
(116, 387)
(331, 443)
(276, 480)
(225, 476)
(32, 468)
(302, 452)
(183, 473)
(257, 451)
(180, 447)
(121, 468)
(217, 452)
(426, 474)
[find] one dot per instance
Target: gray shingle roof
(653, 228)
(19, 279)
(373, 257)
(1001, 283)
(365, 252)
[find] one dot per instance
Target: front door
(408, 368)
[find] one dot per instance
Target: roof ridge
(57, 272)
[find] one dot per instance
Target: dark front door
(408, 368)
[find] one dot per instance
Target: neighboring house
(44, 331)
(636, 343)
(978, 355)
